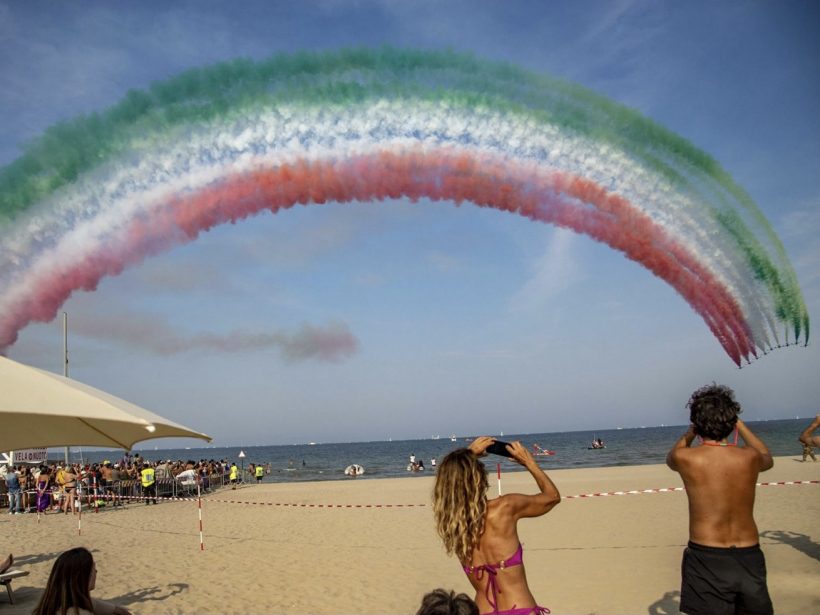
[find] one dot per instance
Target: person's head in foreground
(460, 502)
(69, 585)
(443, 602)
(713, 411)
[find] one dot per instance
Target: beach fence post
(79, 501)
(199, 507)
(498, 469)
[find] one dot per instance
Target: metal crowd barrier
(123, 491)
(167, 487)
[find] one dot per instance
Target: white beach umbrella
(39, 409)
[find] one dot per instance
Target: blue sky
(467, 321)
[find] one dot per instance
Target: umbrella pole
(65, 370)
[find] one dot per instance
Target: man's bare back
(723, 569)
(720, 484)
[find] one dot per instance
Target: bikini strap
(492, 590)
(492, 583)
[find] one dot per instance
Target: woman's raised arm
(521, 505)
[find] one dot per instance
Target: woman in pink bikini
(483, 533)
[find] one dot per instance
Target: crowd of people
(723, 568)
(60, 487)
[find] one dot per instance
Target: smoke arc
(220, 144)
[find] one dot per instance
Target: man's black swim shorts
(718, 581)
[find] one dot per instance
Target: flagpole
(65, 370)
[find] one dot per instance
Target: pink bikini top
(492, 590)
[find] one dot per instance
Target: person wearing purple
(43, 490)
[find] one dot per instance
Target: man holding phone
(723, 568)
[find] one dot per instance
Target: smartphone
(499, 448)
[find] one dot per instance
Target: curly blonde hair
(460, 502)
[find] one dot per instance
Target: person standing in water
(483, 533)
(723, 568)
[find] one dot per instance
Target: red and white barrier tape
(303, 505)
(671, 489)
(161, 498)
(90, 498)
(631, 492)
(307, 505)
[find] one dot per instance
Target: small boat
(541, 452)
(354, 469)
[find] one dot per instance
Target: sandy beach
(371, 547)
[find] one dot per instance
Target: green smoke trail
(354, 76)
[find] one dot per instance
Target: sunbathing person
(483, 533)
(68, 590)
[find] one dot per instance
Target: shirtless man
(723, 567)
(808, 440)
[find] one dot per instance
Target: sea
(390, 459)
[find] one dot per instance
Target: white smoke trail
(82, 218)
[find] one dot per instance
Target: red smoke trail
(439, 174)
